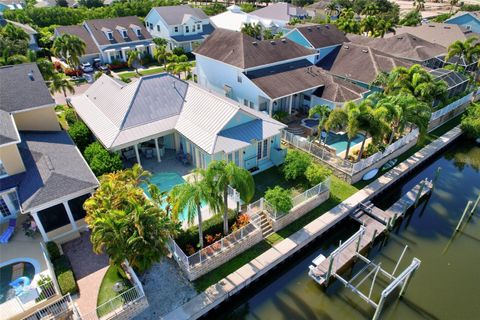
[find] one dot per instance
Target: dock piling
(465, 211)
(419, 194)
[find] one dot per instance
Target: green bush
(80, 134)
(70, 116)
(53, 250)
(178, 51)
(280, 115)
(296, 162)
(280, 198)
(211, 226)
(471, 121)
(316, 173)
(65, 277)
(100, 160)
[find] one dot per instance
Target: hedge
(53, 250)
(65, 277)
(211, 226)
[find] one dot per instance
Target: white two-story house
(182, 26)
(269, 75)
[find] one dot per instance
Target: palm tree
(331, 8)
(371, 9)
(14, 33)
(419, 4)
(468, 49)
(161, 55)
(190, 196)
(323, 111)
(222, 174)
(60, 84)
(339, 119)
(383, 27)
(347, 22)
(134, 60)
(254, 30)
(69, 47)
(452, 4)
(368, 25)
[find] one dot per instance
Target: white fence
(63, 308)
(365, 163)
(263, 204)
(452, 106)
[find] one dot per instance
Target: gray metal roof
(19, 91)
(8, 131)
(280, 11)
(174, 15)
(54, 169)
(206, 30)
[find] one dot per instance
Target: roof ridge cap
(130, 104)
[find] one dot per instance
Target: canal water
(447, 285)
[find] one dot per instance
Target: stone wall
(213, 262)
(300, 210)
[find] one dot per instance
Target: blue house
(468, 20)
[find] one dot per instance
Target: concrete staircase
(265, 224)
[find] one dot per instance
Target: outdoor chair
(129, 154)
(7, 234)
(148, 153)
(187, 159)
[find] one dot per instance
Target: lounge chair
(129, 154)
(7, 234)
(187, 159)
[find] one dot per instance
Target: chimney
(30, 75)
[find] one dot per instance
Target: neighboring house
(110, 40)
(323, 38)
(182, 26)
(234, 19)
(32, 33)
(168, 113)
(53, 3)
(270, 75)
(11, 5)
(280, 13)
(42, 173)
(467, 20)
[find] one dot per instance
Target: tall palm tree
(222, 174)
(15, 33)
(60, 84)
(323, 111)
(69, 47)
(368, 25)
(347, 22)
(254, 30)
(134, 60)
(468, 49)
(383, 27)
(331, 8)
(419, 4)
(161, 54)
(339, 119)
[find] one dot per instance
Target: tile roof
(8, 131)
(289, 78)
(280, 11)
(81, 32)
(19, 91)
(405, 45)
(96, 26)
(359, 63)
(54, 169)
(242, 51)
(439, 33)
(175, 15)
(324, 35)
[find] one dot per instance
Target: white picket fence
(452, 106)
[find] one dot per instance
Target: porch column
(158, 150)
(70, 215)
(109, 58)
(137, 154)
(270, 107)
(290, 101)
(40, 226)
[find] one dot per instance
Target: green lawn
(147, 72)
(274, 177)
(106, 293)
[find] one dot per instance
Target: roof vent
(430, 26)
(30, 75)
(309, 29)
(272, 42)
(327, 26)
(284, 40)
(364, 50)
(254, 43)
(345, 47)
(445, 27)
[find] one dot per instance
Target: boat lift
(324, 268)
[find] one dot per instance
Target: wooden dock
(375, 222)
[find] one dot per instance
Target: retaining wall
(300, 210)
(446, 117)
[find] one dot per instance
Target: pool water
(25, 269)
(340, 141)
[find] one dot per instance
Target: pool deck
(236, 281)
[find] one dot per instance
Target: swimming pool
(11, 272)
(340, 141)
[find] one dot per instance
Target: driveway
(79, 89)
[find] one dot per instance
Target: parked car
(104, 69)
(86, 67)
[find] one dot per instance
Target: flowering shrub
(242, 221)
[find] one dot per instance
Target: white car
(86, 67)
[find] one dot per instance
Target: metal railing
(222, 245)
(64, 308)
(116, 305)
(452, 106)
(312, 192)
(233, 194)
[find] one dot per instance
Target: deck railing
(64, 308)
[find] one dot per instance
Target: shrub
(80, 134)
(242, 221)
(280, 198)
(100, 160)
(70, 116)
(53, 250)
(65, 277)
(471, 121)
(316, 173)
(296, 162)
(280, 115)
(72, 72)
(178, 51)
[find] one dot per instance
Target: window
(139, 34)
(239, 78)
(187, 29)
(199, 26)
(158, 28)
(8, 204)
(262, 149)
(251, 105)
(110, 35)
(4, 211)
(176, 29)
(245, 102)
(3, 171)
(124, 34)
(53, 217)
(150, 25)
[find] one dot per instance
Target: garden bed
(113, 275)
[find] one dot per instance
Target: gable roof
(440, 33)
(360, 63)
(23, 88)
(120, 114)
(81, 32)
(176, 15)
(290, 78)
(405, 45)
(54, 169)
(280, 11)
(242, 51)
(8, 131)
(324, 35)
(95, 26)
